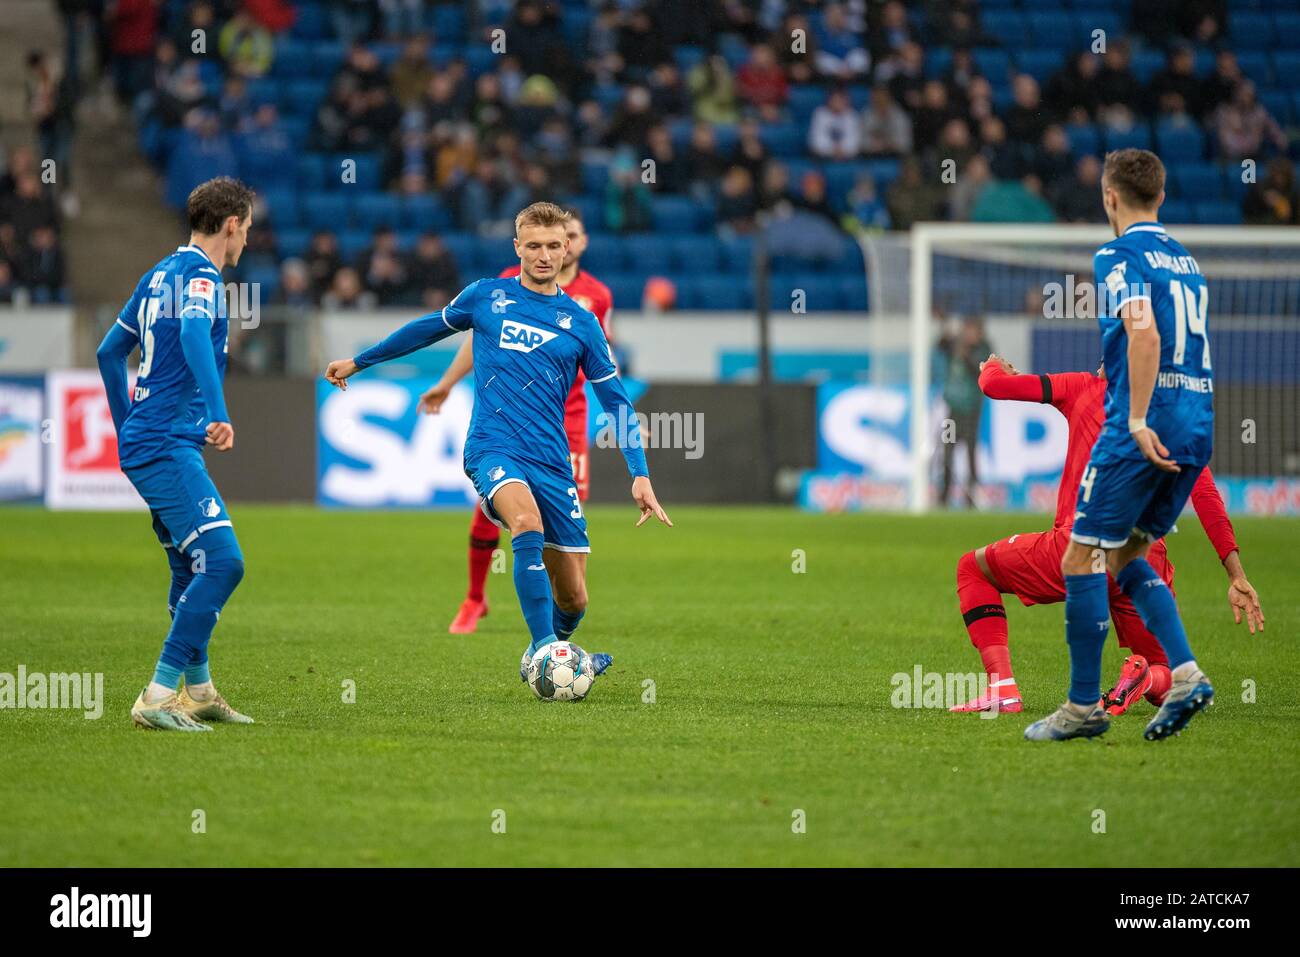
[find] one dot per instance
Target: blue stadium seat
(297, 128)
(1232, 181)
(1257, 65)
(479, 58)
(1251, 31)
(853, 292)
(696, 254)
(1147, 63)
(1176, 211)
(786, 139)
(1197, 181)
(292, 60)
(626, 289)
(720, 292)
(1286, 63)
(368, 172)
(327, 56)
(448, 22)
(1137, 138)
(282, 207)
(604, 256)
(311, 172)
(1278, 104)
(738, 254)
(309, 22)
(495, 253)
(993, 63)
(804, 98)
(688, 56)
(1217, 212)
(464, 249)
(263, 90)
(425, 214)
(370, 210)
(593, 214)
(1040, 64)
(676, 214)
(1053, 29)
(595, 175)
(937, 60)
(326, 210)
(266, 279)
(1089, 19)
(650, 257)
(1009, 26)
(303, 97)
(1084, 139)
(292, 242)
(352, 243)
(1179, 144)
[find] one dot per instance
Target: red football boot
(1003, 696)
(466, 622)
(1134, 682)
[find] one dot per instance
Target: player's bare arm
(1241, 594)
(1143, 367)
(462, 364)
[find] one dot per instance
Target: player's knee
(967, 567)
(572, 598)
(524, 520)
(1079, 560)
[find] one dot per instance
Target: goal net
(1026, 292)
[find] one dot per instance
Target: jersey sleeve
(459, 313)
(199, 288)
(1120, 277)
(128, 318)
(996, 383)
(597, 359)
(1213, 514)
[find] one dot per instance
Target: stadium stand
(354, 119)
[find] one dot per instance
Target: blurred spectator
(1026, 119)
(762, 83)
(961, 74)
(886, 127)
(402, 17)
(323, 261)
(202, 152)
(1274, 200)
(737, 204)
(29, 208)
(411, 73)
(42, 267)
(1221, 84)
(1115, 82)
(797, 59)
(668, 95)
(50, 107)
(1178, 78)
(774, 190)
(750, 151)
(382, 268)
(910, 198)
(1243, 127)
(892, 32)
(670, 170)
(932, 116)
(632, 120)
(434, 276)
(840, 53)
(246, 46)
(134, 30)
(266, 155)
(905, 74)
(971, 180)
(705, 163)
(1013, 201)
(1053, 160)
(627, 199)
(836, 130)
(962, 353)
(1072, 93)
(488, 201)
(347, 292)
(713, 91)
(295, 284)
(640, 46)
(353, 20)
(865, 210)
(8, 288)
(1078, 199)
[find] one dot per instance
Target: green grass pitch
(771, 697)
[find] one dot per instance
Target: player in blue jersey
(1158, 435)
(177, 317)
(530, 339)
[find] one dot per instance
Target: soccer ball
(560, 671)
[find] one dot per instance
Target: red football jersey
(1081, 398)
(594, 296)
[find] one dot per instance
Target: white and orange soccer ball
(560, 671)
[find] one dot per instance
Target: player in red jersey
(1029, 565)
(594, 296)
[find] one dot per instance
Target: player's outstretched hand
(221, 434)
(339, 371)
(431, 399)
(997, 360)
(1154, 450)
(1244, 600)
(645, 498)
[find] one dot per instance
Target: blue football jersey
(166, 407)
(527, 351)
(1147, 263)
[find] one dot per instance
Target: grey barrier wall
(274, 459)
(730, 464)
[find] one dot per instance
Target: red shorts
(1029, 567)
(575, 428)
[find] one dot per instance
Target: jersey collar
(538, 295)
(191, 248)
(1144, 228)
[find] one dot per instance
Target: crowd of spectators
(609, 111)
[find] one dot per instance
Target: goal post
(1033, 284)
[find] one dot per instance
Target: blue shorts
(181, 496)
(564, 527)
(1127, 496)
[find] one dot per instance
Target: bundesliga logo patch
(521, 338)
(200, 288)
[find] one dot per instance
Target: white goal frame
(927, 237)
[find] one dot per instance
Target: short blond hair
(541, 214)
